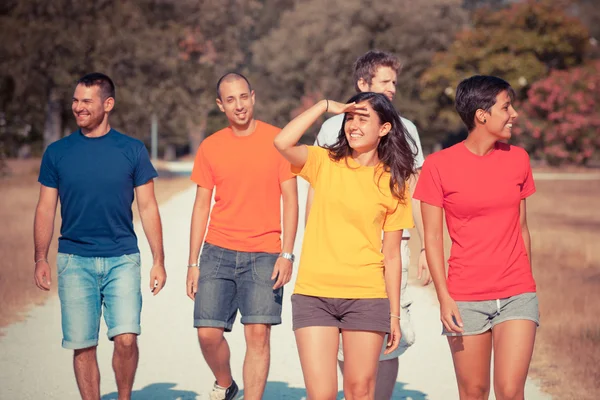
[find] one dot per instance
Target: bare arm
(43, 228)
(525, 229)
(392, 262)
(200, 214)
(283, 267)
(434, 243)
(150, 216)
(423, 267)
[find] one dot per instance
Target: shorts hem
(522, 318)
(120, 330)
(258, 319)
(365, 329)
(311, 323)
(79, 345)
(212, 323)
(473, 333)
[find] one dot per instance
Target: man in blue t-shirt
(94, 172)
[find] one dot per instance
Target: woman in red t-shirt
(488, 299)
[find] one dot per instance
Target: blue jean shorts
(88, 284)
(231, 280)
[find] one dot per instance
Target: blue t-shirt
(95, 178)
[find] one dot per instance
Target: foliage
(559, 121)
(520, 43)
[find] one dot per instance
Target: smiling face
(89, 108)
(237, 101)
(363, 132)
(499, 120)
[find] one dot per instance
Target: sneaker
(221, 393)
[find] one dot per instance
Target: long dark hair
(394, 150)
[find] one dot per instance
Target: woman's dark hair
(479, 92)
(395, 152)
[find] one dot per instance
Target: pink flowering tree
(560, 120)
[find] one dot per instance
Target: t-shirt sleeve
(312, 167)
(528, 186)
(429, 186)
(414, 134)
(202, 173)
(144, 170)
(48, 172)
(285, 169)
(401, 217)
(329, 131)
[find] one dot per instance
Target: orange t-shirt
(247, 172)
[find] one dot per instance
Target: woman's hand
(339, 108)
(394, 336)
(450, 315)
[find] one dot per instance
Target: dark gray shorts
(353, 314)
(481, 316)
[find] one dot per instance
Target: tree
(311, 53)
(520, 43)
(559, 121)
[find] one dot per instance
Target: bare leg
(256, 363)
(87, 373)
(216, 353)
(361, 360)
(513, 348)
(318, 347)
(472, 357)
(125, 361)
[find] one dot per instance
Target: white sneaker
(221, 393)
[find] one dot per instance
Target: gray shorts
(481, 316)
(353, 314)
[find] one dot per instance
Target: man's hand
(42, 275)
(423, 268)
(158, 278)
(282, 271)
(193, 275)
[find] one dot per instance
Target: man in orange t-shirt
(244, 263)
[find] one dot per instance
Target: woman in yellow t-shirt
(348, 279)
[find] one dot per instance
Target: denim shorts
(88, 284)
(481, 316)
(231, 280)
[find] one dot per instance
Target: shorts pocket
(63, 261)
(210, 261)
(134, 258)
(263, 265)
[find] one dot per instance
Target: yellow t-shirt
(341, 255)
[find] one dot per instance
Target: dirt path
(34, 366)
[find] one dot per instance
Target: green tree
(311, 53)
(520, 43)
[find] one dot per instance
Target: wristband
(394, 316)
(41, 259)
(327, 109)
(194, 265)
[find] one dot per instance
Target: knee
(509, 392)
(126, 343)
(257, 336)
(359, 389)
(209, 337)
(474, 392)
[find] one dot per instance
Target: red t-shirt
(481, 196)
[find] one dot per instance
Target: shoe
(220, 393)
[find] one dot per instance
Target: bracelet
(41, 259)
(423, 249)
(327, 109)
(194, 265)
(395, 316)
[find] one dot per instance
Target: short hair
(230, 77)
(479, 92)
(106, 85)
(366, 66)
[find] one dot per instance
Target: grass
(19, 197)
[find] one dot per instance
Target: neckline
(245, 137)
(84, 137)
(477, 156)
